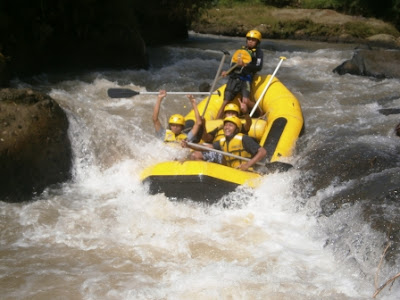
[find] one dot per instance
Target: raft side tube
(196, 167)
(212, 108)
(284, 117)
(277, 103)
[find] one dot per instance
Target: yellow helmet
(235, 120)
(232, 107)
(254, 34)
(177, 119)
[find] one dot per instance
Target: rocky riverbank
(301, 24)
(373, 36)
(35, 151)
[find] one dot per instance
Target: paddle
(127, 93)
(239, 54)
(267, 86)
(269, 166)
(225, 54)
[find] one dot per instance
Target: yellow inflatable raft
(277, 131)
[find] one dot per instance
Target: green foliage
(321, 4)
(235, 3)
(282, 3)
(290, 29)
(388, 10)
(226, 3)
(360, 30)
(235, 21)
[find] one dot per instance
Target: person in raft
(176, 122)
(240, 78)
(231, 109)
(234, 142)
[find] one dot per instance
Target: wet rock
(397, 129)
(389, 111)
(377, 63)
(204, 87)
(379, 197)
(333, 165)
(360, 169)
(367, 175)
(383, 213)
(384, 40)
(35, 151)
(369, 190)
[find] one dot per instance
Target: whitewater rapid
(102, 236)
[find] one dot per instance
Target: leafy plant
(321, 4)
(281, 3)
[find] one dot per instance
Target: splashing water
(103, 236)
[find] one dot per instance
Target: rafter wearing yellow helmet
(176, 122)
(239, 144)
(254, 34)
(241, 77)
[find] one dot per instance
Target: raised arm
(245, 112)
(198, 122)
(161, 95)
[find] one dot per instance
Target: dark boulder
(376, 63)
(35, 151)
(356, 174)
(339, 164)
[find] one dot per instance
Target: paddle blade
(121, 93)
(243, 54)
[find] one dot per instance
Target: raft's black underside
(199, 188)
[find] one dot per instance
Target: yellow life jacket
(171, 137)
(219, 135)
(234, 146)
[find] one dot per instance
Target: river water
(102, 236)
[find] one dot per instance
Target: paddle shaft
(222, 152)
(177, 93)
(127, 93)
(270, 166)
(227, 72)
(267, 86)
(225, 54)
